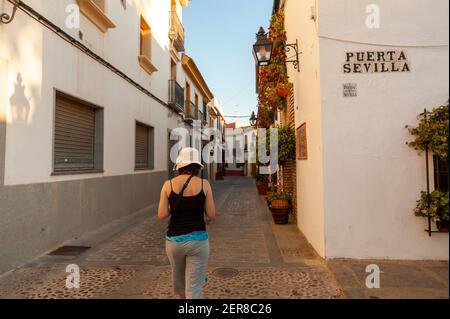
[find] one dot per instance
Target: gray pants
(189, 261)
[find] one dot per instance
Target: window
(440, 174)
(145, 54)
(95, 11)
(196, 107)
(187, 107)
(144, 146)
(78, 136)
(173, 70)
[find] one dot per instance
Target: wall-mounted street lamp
(253, 120)
(6, 18)
(262, 50)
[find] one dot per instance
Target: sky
(219, 36)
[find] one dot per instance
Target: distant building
(240, 161)
(217, 121)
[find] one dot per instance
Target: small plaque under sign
(350, 90)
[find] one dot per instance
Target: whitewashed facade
(360, 182)
(119, 59)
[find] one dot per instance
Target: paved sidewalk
(250, 258)
(398, 279)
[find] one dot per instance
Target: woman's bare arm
(210, 207)
(163, 208)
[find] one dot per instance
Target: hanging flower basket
(283, 91)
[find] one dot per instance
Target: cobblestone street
(250, 258)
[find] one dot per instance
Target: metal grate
(72, 251)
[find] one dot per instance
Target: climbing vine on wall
(273, 85)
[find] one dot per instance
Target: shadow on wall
(19, 103)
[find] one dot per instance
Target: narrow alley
(251, 257)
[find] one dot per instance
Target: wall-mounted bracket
(295, 60)
(5, 18)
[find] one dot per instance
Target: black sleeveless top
(188, 214)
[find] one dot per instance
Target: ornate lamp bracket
(295, 58)
(6, 18)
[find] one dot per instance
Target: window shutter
(74, 146)
(146, 39)
(142, 144)
(291, 109)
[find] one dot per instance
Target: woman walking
(186, 199)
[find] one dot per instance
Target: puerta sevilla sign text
(376, 62)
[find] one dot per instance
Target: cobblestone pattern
(254, 283)
(141, 244)
(237, 235)
(50, 283)
(134, 262)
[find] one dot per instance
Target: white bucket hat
(186, 157)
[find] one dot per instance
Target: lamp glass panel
(263, 54)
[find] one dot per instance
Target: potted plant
(262, 182)
(280, 206)
(271, 191)
(436, 207)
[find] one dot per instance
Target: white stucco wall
(40, 62)
(371, 178)
(310, 214)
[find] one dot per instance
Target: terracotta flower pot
(280, 204)
(280, 215)
(262, 189)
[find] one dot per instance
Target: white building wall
(40, 62)
(371, 178)
(308, 109)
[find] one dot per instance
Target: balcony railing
(176, 32)
(176, 95)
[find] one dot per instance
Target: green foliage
(432, 132)
(438, 202)
(262, 179)
(286, 143)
